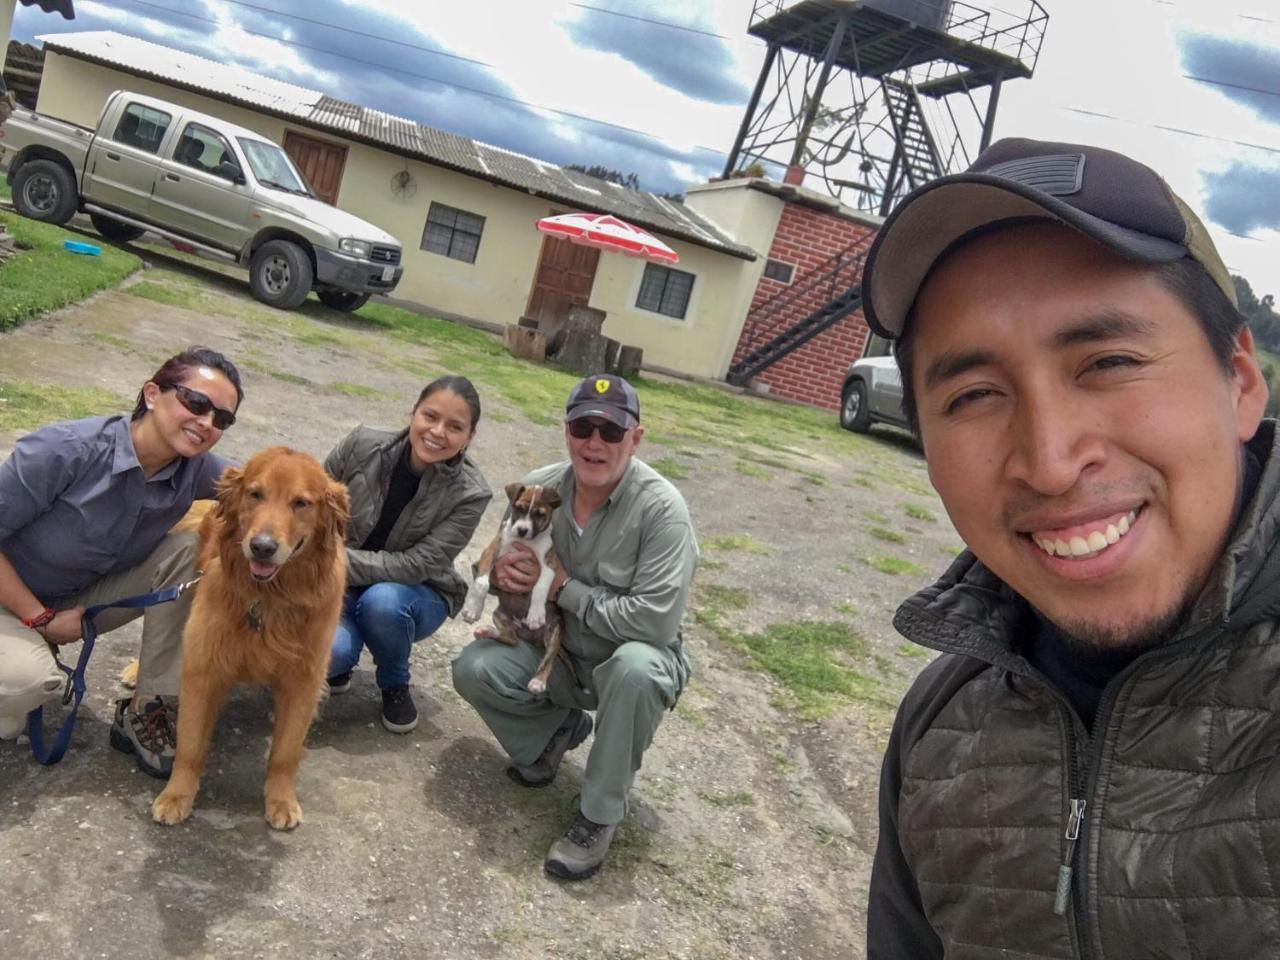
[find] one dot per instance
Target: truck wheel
(45, 190)
(343, 300)
(855, 413)
(280, 274)
(115, 229)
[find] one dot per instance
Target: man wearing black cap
(1092, 768)
(627, 546)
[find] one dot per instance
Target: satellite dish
(403, 185)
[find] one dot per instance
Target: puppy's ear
(514, 490)
(552, 499)
(338, 506)
(230, 486)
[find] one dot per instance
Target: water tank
(927, 13)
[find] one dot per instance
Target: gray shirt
(630, 567)
(75, 506)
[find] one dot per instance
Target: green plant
(737, 541)
(892, 565)
(889, 536)
(26, 289)
(25, 406)
(670, 468)
(917, 512)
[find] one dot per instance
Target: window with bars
(665, 291)
(452, 233)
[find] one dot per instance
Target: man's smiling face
(1083, 437)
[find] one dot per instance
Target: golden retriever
(264, 613)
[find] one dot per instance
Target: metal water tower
(876, 97)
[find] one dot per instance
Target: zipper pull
(1063, 895)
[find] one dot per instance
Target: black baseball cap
(1107, 196)
(607, 396)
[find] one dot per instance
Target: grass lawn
(43, 276)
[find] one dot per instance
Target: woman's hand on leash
(64, 627)
(516, 571)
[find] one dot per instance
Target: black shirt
(400, 490)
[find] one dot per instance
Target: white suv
(872, 390)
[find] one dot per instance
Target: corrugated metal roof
(239, 86)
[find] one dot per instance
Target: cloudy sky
(658, 87)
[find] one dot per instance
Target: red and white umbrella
(608, 233)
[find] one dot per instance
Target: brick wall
(814, 373)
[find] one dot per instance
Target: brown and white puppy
(523, 616)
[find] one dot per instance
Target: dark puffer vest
(1008, 830)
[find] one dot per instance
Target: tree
(629, 180)
(1259, 313)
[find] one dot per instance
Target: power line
(452, 85)
(358, 33)
(663, 23)
(1235, 13)
(1168, 129)
(1233, 86)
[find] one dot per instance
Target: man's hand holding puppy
(518, 571)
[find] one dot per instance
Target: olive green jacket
(431, 531)
(1176, 849)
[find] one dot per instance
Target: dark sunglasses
(199, 404)
(609, 432)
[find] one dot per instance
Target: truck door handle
(113, 156)
(173, 176)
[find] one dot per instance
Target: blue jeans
(388, 618)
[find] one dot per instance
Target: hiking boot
(542, 771)
(580, 852)
(151, 736)
(340, 684)
(399, 715)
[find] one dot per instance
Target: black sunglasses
(199, 404)
(582, 429)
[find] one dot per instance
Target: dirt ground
(751, 833)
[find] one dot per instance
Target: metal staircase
(768, 332)
(915, 159)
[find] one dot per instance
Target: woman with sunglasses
(416, 500)
(86, 508)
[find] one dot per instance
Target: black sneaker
(568, 735)
(399, 715)
(340, 684)
(580, 852)
(151, 736)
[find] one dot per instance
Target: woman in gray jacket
(416, 500)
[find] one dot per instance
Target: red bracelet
(41, 619)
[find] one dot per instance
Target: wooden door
(566, 273)
(320, 161)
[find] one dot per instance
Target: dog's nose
(263, 546)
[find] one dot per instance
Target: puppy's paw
(283, 813)
(537, 685)
(171, 807)
(537, 619)
(485, 633)
(471, 613)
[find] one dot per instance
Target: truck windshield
(272, 167)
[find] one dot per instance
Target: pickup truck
(196, 179)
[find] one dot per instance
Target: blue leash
(75, 678)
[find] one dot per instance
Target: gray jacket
(431, 531)
(1178, 850)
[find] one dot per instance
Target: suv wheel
(342, 300)
(46, 191)
(115, 229)
(855, 414)
(280, 274)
